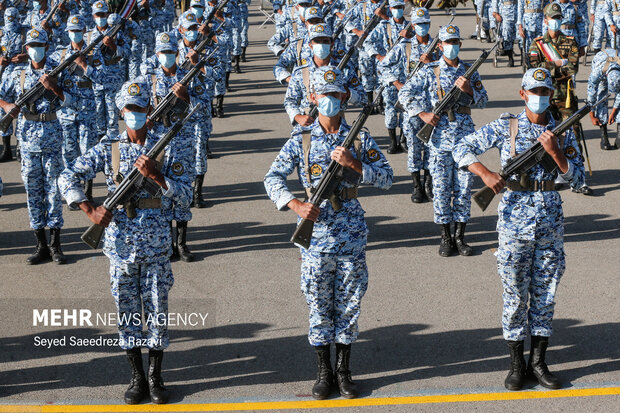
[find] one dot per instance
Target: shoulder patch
(478, 85)
(570, 152)
(316, 170)
(373, 155)
(177, 168)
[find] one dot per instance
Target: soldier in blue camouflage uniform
(604, 77)
(483, 11)
(396, 68)
(40, 139)
(297, 98)
(451, 185)
(138, 248)
(334, 273)
(243, 26)
(114, 54)
(598, 9)
(530, 256)
(79, 122)
(12, 57)
(529, 22)
(612, 19)
(505, 14)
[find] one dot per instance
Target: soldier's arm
(376, 169)
(284, 165)
(293, 98)
(357, 95)
(84, 168)
(575, 174)
(489, 136)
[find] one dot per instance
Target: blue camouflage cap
(197, 3)
(449, 32)
(537, 77)
(613, 80)
(11, 15)
(165, 42)
(75, 22)
(319, 30)
(326, 79)
(134, 92)
(313, 13)
(420, 15)
(188, 19)
(100, 6)
(396, 3)
(36, 36)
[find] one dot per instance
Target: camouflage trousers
(107, 113)
(137, 286)
(368, 72)
(529, 269)
(451, 189)
(40, 171)
(78, 137)
(417, 151)
(390, 98)
(333, 286)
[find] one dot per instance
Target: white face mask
(101, 21)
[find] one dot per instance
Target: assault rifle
(204, 43)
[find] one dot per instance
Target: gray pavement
(429, 325)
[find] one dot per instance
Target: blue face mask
(135, 120)
(36, 6)
(398, 13)
(198, 11)
(537, 104)
(329, 106)
(76, 37)
(554, 25)
(422, 29)
(167, 60)
(36, 53)
(321, 50)
(101, 21)
(191, 35)
(451, 51)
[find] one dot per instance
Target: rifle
(52, 12)
(38, 91)
(340, 27)
(446, 104)
(332, 178)
(133, 183)
(217, 8)
(533, 156)
(204, 43)
(171, 101)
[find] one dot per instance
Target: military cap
(420, 15)
(319, 30)
(134, 92)
(100, 6)
(553, 10)
(449, 32)
(313, 13)
(188, 19)
(36, 36)
(537, 77)
(613, 80)
(165, 42)
(75, 22)
(197, 3)
(396, 3)
(326, 79)
(11, 15)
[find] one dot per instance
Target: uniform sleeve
(581, 26)
(286, 60)
(293, 97)
(480, 97)
(609, 21)
(84, 168)
(537, 59)
(391, 65)
(277, 43)
(8, 87)
(595, 78)
(520, 9)
(180, 186)
(414, 95)
(284, 165)
(489, 136)
(376, 169)
(576, 173)
(358, 95)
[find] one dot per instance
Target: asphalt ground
(430, 326)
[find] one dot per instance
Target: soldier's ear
(522, 93)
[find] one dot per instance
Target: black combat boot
(57, 256)
(237, 60)
(88, 190)
(175, 250)
(516, 375)
(511, 59)
(228, 88)
(243, 59)
(394, 144)
(459, 235)
(197, 201)
(428, 184)
(379, 110)
(6, 154)
(184, 252)
(138, 387)
(42, 252)
(403, 141)
(325, 375)
(347, 388)
(605, 145)
(417, 193)
(209, 153)
(157, 391)
(446, 245)
(213, 112)
(537, 368)
(219, 108)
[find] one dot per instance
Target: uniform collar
(317, 130)
(550, 125)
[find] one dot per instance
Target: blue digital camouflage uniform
(604, 77)
(224, 36)
(508, 10)
(40, 141)
(530, 16)
(483, 9)
(451, 185)
(11, 44)
(244, 25)
(334, 273)
(611, 15)
(133, 33)
(600, 29)
(530, 256)
(138, 248)
(79, 123)
(160, 19)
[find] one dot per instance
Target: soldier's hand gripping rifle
(533, 156)
(204, 43)
(409, 27)
(51, 14)
(331, 179)
(134, 182)
(341, 26)
(38, 91)
(220, 7)
(171, 101)
(446, 104)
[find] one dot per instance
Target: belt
(531, 186)
(534, 10)
(345, 193)
(85, 84)
(463, 110)
(145, 203)
(568, 26)
(41, 117)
